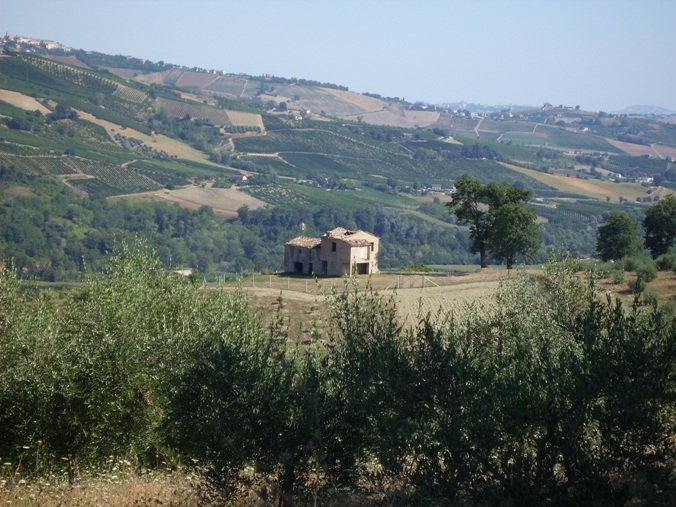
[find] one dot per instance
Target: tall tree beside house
(515, 232)
(468, 206)
(660, 226)
(500, 223)
(617, 237)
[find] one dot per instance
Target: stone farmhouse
(338, 252)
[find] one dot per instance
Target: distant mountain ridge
(639, 110)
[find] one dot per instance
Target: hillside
(88, 127)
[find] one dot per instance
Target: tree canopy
(660, 226)
(500, 223)
(617, 237)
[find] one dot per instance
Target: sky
(603, 55)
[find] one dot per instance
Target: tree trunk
(484, 258)
(288, 481)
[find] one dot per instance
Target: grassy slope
(325, 149)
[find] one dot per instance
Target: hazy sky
(599, 54)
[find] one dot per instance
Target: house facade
(338, 252)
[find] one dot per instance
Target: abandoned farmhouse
(338, 252)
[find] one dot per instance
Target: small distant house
(338, 252)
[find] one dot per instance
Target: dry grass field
(191, 79)
(664, 286)
(303, 302)
(246, 119)
(591, 187)
(367, 104)
(114, 488)
(384, 117)
(22, 101)
(665, 151)
(158, 141)
(633, 149)
(223, 201)
(422, 118)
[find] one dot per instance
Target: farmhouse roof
(345, 235)
(358, 242)
(339, 233)
(305, 242)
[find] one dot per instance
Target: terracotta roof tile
(305, 242)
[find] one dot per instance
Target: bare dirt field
(364, 102)
(191, 79)
(22, 101)
(422, 118)
(18, 192)
(386, 118)
(224, 201)
(665, 151)
(637, 150)
(633, 149)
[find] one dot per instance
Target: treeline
(404, 240)
(96, 60)
(547, 395)
(52, 235)
(303, 82)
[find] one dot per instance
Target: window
(333, 246)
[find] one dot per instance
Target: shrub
(617, 277)
(666, 262)
(545, 394)
(632, 263)
(644, 267)
(650, 297)
(638, 285)
(647, 271)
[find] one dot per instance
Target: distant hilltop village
(36, 43)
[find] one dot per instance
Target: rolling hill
(98, 127)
